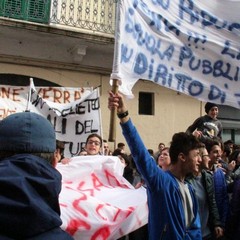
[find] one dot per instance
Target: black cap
(209, 105)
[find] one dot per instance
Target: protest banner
(97, 202)
(74, 112)
(188, 46)
(73, 121)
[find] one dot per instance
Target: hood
(29, 190)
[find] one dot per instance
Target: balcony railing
(96, 16)
(90, 16)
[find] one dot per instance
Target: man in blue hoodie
(29, 183)
(173, 210)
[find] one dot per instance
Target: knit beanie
(27, 132)
(209, 105)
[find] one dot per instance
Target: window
(230, 118)
(233, 134)
(146, 103)
(30, 10)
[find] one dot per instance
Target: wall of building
(173, 112)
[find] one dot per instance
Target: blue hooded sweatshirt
(29, 207)
(166, 219)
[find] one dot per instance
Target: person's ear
(56, 157)
(181, 157)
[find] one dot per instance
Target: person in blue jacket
(29, 183)
(173, 209)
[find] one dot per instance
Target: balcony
(94, 16)
(68, 34)
(89, 16)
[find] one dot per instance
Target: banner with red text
(188, 46)
(97, 202)
(74, 112)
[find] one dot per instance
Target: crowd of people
(193, 185)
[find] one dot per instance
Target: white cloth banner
(74, 112)
(189, 46)
(97, 202)
(73, 121)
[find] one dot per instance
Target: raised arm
(146, 165)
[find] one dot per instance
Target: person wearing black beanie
(209, 106)
(208, 126)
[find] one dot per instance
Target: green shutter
(1, 8)
(13, 8)
(30, 10)
(38, 11)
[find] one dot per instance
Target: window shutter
(38, 11)
(13, 9)
(30, 10)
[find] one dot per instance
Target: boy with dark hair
(173, 209)
(119, 150)
(208, 126)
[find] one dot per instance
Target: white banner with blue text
(188, 46)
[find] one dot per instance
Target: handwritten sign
(97, 202)
(73, 112)
(189, 46)
(73, 121)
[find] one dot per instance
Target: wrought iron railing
(97, 16)
(91, 16)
